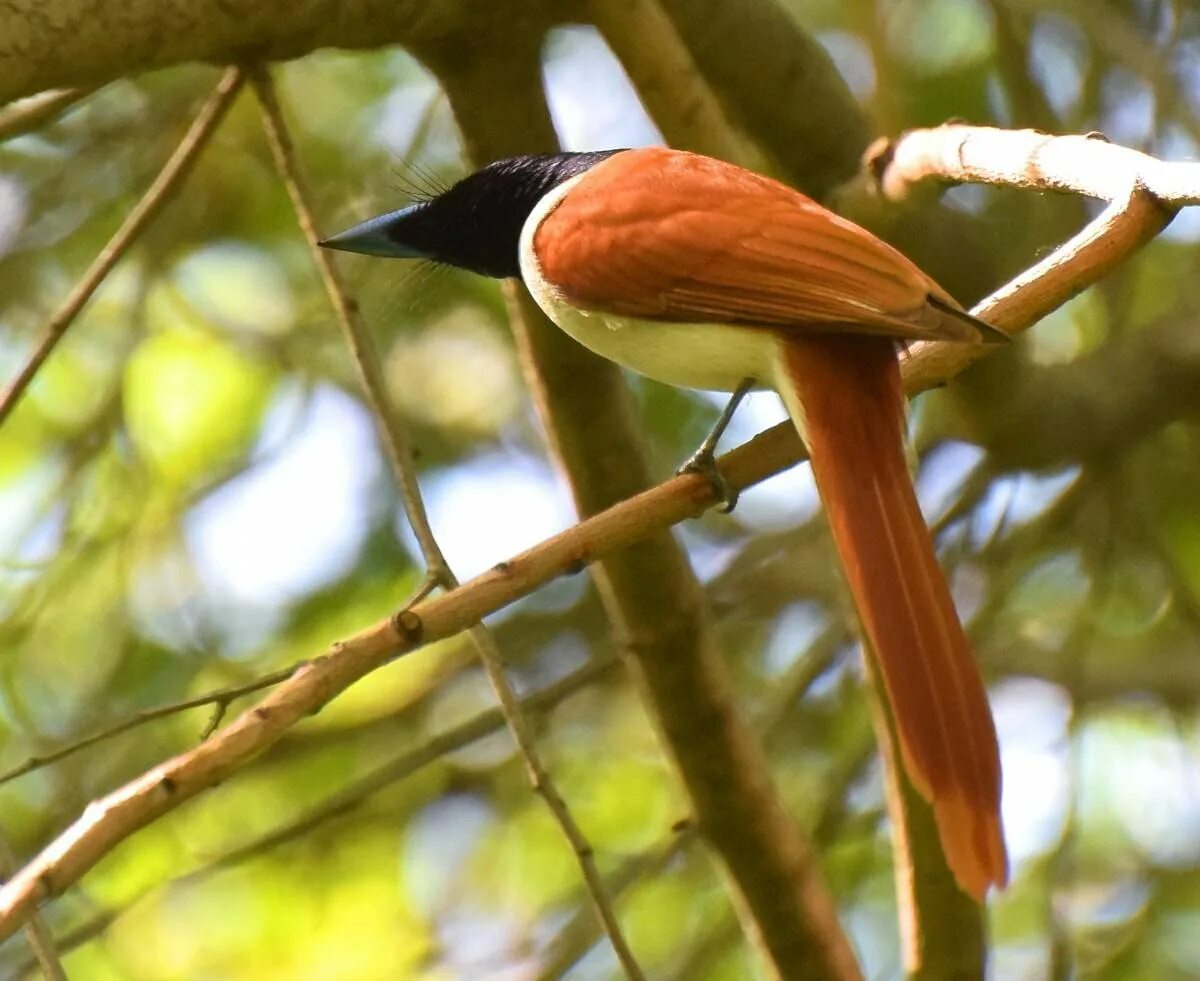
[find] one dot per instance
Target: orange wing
(662, 234)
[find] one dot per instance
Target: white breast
(708, 356)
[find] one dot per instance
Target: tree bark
(53, 43)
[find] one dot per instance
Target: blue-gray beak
(371, 237)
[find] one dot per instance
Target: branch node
(408, 627)
(214, 720)
(432, 580)
(1142, 191)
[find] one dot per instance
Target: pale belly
(707, 356)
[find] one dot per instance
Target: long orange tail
(845, 396)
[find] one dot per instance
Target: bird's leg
(703, 461)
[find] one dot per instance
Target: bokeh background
(192, 494)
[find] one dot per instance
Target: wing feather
(662, 234)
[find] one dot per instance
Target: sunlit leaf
(193, 403)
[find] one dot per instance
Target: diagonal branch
(219, 700)
(392, 432)
(41, 940)
(112, 819)
(351, 796)
(177, 167)
(577, 936)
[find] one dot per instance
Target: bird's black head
(474, 225)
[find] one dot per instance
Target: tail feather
(845, 396)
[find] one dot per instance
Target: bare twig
(405, 765)
(577, 935)
(543, 785)
(89, 929)
(28, 114)
(168, 180)
(394, 435)
(40, 938)
(219, 699)
(109, 821)
(356, 793)
(399, 449)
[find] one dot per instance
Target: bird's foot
(704, 462)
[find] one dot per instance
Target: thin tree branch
(540, 780)
(405, 765)
(578, 935)
(87, 930)
(41, 940)
(392, 432)
(219, 699)
(354, 794)
(28, 114)
(177, 167)
(399, 449)
(112, 819)
(542, 784)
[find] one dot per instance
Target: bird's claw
(704, 463)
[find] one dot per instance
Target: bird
(701, 274)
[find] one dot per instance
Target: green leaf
(193, 403)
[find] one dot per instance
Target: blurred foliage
(192, 495)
